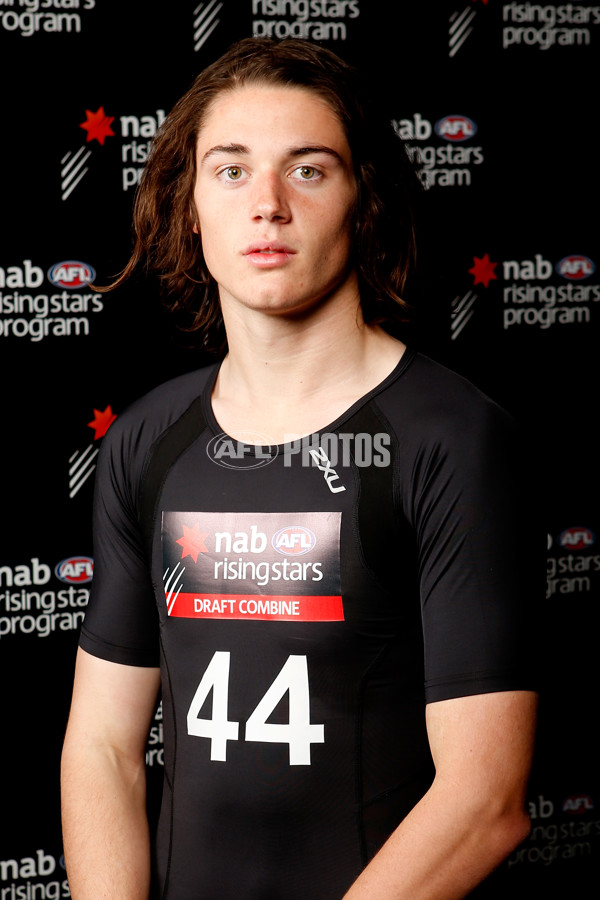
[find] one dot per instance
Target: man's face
(275, 194)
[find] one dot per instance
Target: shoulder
(151, 415)
(427, 401)
(448, 435)
(130, 439)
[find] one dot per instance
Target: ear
(193, 214)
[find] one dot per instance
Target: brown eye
(307, 172)
(234, 173)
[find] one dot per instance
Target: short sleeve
(480, 554)
(121, 622)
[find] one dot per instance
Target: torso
(284, 591)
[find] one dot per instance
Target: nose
(269, 200)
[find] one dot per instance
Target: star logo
(483, 270)
(102, 422)
(97, 124)
(193, 542)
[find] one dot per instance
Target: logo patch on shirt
(266, 566)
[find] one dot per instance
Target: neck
(286, 376)
(295, 356)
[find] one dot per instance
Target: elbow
(508, 831)
(520, 829)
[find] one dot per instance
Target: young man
(311, 548)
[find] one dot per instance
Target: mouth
(268, 254)
(268, 248)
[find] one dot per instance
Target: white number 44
(298, 732)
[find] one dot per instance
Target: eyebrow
(225, 148)
(317, 148)
(241, 149)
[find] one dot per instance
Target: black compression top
(304, 602)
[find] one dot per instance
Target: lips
(267, 247)
(268, 254)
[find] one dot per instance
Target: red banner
(276, 607)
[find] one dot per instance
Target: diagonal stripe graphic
(70, 175)
(205, 21)
(462, 313)
(79, 458)
(82, 466)
(72, 171)
(458, 20)
(73, 159)
(175, 577)
(169, 578)
(460, 29)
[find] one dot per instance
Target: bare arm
(473, 816)
(105, 829)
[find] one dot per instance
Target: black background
(535, 193)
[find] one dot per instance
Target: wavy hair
(164, 213)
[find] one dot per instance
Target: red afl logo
(578, 804)
(71, 274)
(75, 570)
(576, 267)
(455, 128)
(576, 538)
(293, 540)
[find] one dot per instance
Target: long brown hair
(164, 214)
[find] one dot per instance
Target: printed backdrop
(496, 102)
